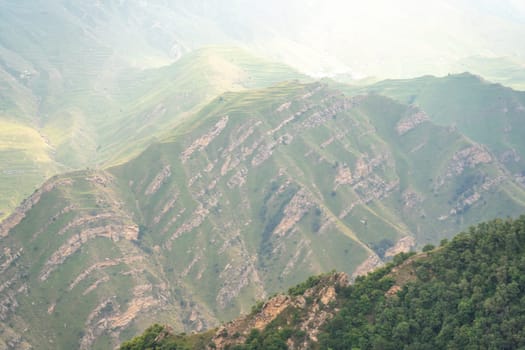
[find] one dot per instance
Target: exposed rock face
(411, 121)
(264, 152)
(167, 207)
(196, 220)
(230, 212)
(238, 179)
(235, 278)
(314, 306)
(113, 232)
(20, 212)
(465, 203)
(468, 158)
(362, 168)
(294, 211)
(344, 176)
(86, 220)
(404, 245)
(368, 265)
(284, 106)
(411, 199)
(158, 180)
(271, 310)
(101, 265)
(136, 305)
(205, 139)
(9, 257)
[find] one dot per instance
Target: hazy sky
(374, 37)
(381, 38)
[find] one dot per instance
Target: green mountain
(88, 84)
(154, 169)
(94, 128)
(487, 113)
(255, 192)
(465, 294)
(79, 78)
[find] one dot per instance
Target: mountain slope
(487, 113)
(70, 71)
(90, 83)
(254, 193)
(113, 123)
(466, 293)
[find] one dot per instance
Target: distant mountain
(465, 293)
(249, 196)
(93, 128)
(486, 113)
(84, 83)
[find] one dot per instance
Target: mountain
(110, 125)
(85, 84)
(487, 113)
(466, 293)
(78, 77)
(168, 161)
(258, 190)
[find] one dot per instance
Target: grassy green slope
(80, 83)
(487, 113)
(445, 177)
(504, 70)
(108, 126)
(153, 101)
(251, 195)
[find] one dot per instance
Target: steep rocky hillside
(250, 196)
(466, 293)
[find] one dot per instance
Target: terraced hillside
(92, 127)
(254, 193)
(90, 83)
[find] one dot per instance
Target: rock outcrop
(20, 213)
(312, 309)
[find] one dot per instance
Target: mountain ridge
(116, 122)
(221, 212)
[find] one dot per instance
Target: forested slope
(468, 293)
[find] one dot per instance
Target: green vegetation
(488, 113)
(468, 294)
(170, 178)
(75, 95)
(299, 289)
(136, 109)
(158, 337)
